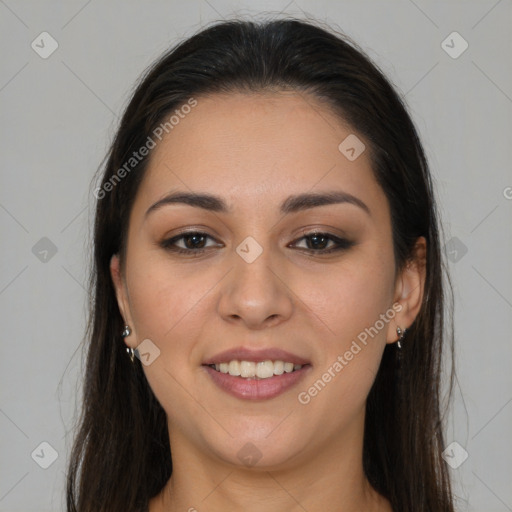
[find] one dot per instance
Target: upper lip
(246, 354)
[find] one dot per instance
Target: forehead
(254, 148)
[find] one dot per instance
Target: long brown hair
(121, 455)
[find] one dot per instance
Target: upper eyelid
(302, 234)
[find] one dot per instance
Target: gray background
(59, 114)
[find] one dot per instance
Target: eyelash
(342, 243)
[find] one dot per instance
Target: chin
(260, 446)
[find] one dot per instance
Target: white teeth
(288, 367)
(278, 367)
(247, 369)
(265, 369)
(234, 368)
(260, 370)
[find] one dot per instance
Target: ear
(409, 290)
(122, 297)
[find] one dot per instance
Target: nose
(255, 294)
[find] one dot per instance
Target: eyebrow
(292, 204)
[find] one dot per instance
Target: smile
(256, 382)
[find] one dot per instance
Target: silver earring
(401, 336)
(131, 353)
(126, 332)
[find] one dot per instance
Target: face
(288, 262)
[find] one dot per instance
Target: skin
(254, 151)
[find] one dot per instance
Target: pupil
(191, 241)
(315, 239)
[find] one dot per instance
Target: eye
(194, 243)
(323, 243)
(191, 243)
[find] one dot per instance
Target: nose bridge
(254, 292)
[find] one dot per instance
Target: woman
(266, 245)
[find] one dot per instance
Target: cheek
(353, 307)
(169, 306)
(164, 297)
(172, 306)
(350, 298)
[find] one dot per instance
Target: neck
(329, 479)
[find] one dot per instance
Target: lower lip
(256, 389)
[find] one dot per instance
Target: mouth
(256, 375)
